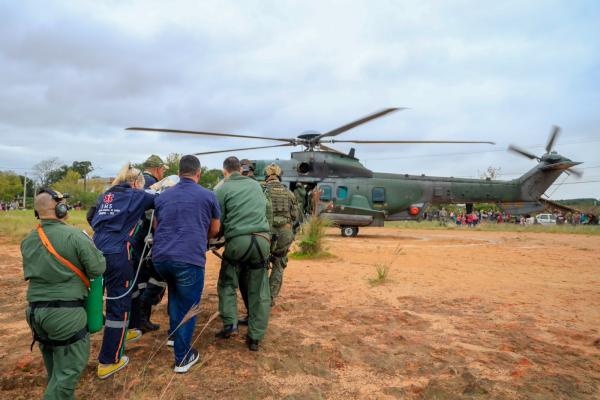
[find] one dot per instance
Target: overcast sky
(73, 75)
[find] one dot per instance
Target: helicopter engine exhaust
(304, 167)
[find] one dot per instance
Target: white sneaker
(171, 343)
(191, 359)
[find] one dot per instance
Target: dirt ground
(462, 314)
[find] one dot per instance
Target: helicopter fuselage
(347, 188)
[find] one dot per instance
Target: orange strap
(64, 261)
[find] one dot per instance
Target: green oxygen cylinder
(93, 305)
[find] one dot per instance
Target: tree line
(75, 179)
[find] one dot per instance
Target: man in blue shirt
(187, 216)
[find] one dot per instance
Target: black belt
(51, 343)
(57, 304)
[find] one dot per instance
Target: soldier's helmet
(273, 169)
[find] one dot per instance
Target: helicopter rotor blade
(405, 141)
(208, 134)
(522, 152)
(361, 121)
(552, 138)
(575, 171)
(242, 149)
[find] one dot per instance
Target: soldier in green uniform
(56, 313)
(245, 226)
(247, 170)
(300, 194)
(285, 214)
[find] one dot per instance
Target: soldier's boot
(145, 324)
(252, 343)
(227, 331)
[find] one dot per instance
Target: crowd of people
(9, 205)
(576, 218)
(467, 219)
(476, 217)
(145, 241)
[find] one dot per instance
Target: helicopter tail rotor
(522, 152)
(552, 138)
(551, 159)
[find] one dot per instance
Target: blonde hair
(131, 175)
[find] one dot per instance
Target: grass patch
(310, 244)
(381, 274)
(493, 227)
(303, 256)
(16, 224)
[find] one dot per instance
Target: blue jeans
(185, 283)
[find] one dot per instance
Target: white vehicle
(545, 219)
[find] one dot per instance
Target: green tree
(172, 164)
(56, 175)
(70, 184)
(210, 177)
(83, 168)
(10, 186)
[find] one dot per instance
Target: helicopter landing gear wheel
(349, 231)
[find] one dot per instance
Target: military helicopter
(352, 196)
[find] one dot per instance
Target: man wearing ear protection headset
(56, 293)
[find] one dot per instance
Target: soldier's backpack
(281, 203)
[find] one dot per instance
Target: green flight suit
(285, 213)
(245, 226)
(50, 280)
(300, 194)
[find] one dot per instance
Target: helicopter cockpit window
(342, 192)
(325, 193)
(378, 195)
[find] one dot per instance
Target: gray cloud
(75, 74)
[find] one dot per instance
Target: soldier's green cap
(153, 161)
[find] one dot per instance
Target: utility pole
(24, 191)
